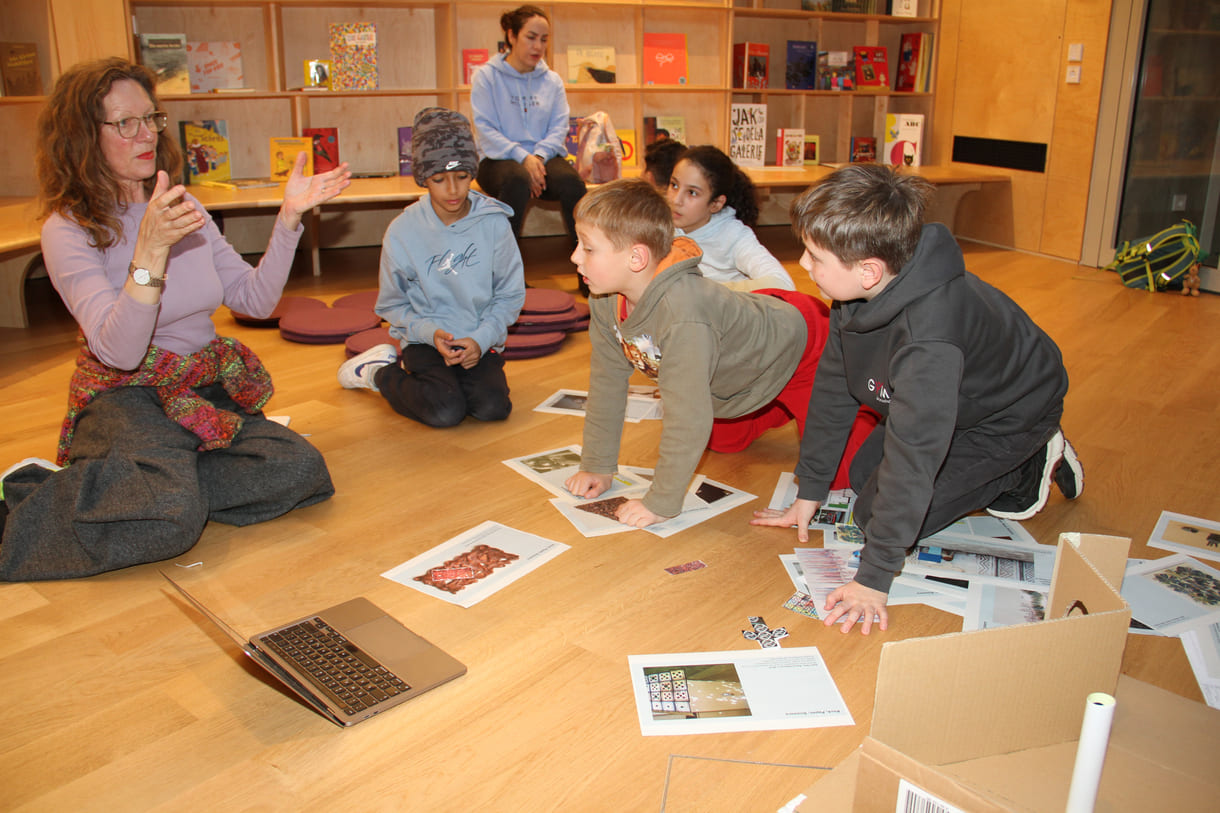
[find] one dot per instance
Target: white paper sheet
(1173, 593)
(1184, 534)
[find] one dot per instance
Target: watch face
(141, 275)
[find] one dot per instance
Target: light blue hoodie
(466, 278)
(516, 114)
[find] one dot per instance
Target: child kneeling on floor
(970, 390)
(729, 365)
(451, 283)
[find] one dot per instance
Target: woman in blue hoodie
(521, 116)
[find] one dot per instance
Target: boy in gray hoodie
(451, 283)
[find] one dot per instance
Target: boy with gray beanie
(451, 283)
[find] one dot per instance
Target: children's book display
(472, 58)
(863, 149)
(835, 70)
(325, 147)
(811, 156)
(872, 67)
(404, 151)
(914, 73)
(658, 127)
(790, 147)
(283, 152)
(19, 69)
(353, 56)
(627, 141)
(903, 143)
(215, 65)
(318, 74)
(751, 65)
(748, 134)
(801, 72)
(665, 58)
(165, 56)
(591, 64)
(904, 8)
(205, 151)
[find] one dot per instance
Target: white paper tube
(1091, 752)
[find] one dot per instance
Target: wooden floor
(119, 697)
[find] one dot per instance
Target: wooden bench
(20, 249)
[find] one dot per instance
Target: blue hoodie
(516, 114)
(466, 278)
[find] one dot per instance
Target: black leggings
(508, 181)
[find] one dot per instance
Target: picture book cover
(904, 8)
(591, 64)
(665, 59)
(214, 65)
(674, 127)
(205, 151)
(910, 49)
(863, 149)
(165, 56)
(404, 151)
(811, 156)
(903, 143)
(353, 56)
(19, 69)
(472, 58)
(751, 65)
(627, 140)
(748, 134)
(790, 147)
(872, 67)
(317, 74)
(801, 72)
(835, 70)
(572, 139)
(282, 151)
(325, 147)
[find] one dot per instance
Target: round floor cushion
(325, 325)
(361, 300)
(547, 300)
(532, 345)
(285, 305)
(357, 343)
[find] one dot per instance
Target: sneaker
(1037, 474)
(1069, 474)
(358, 371)
(21, 464)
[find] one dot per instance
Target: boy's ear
(717, 204)
(872, 272)
(640, 257)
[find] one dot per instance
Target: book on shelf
(872, 67)
(835, 70)
(630, 146)
(801, 72)
(214, 64)
(205, 150)
(353, 56)
(812, 146)
(855, 6)
(665, 58)
(404, 151)
(283, 151)
(914, 72)
(748, 134)
(751, 65)
(591, 64)
(863, 149)
(19, 69)
(904, 8)
(240, 183)
(472, 58)
(674, 127)
(817, 5)
(790, 147)
(325, 147)
(903, 144)
(317, 74)
(165, 56)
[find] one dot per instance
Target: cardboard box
(988, 721)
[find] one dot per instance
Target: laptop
(349, 662)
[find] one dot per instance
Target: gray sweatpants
(138, 491)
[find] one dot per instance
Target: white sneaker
(357, 372)
(21, 464)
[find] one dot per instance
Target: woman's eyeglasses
(129, 127)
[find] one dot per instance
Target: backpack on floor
(1158, 262)
(599, 155)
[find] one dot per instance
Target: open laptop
(348, 662)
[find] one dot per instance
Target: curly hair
(726, 178)
(74, 178)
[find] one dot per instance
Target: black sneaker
(1037, 474)
(1069, 474)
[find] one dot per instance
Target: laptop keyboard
(340, 669)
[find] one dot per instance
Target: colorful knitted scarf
(224, 360)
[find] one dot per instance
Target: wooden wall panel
(90, 29)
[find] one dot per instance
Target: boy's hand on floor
(800, 513)
(858, 603)
(587, 485)
(634, 513)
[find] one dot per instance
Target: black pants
(438, 395)
(508, 181)
(137, 490)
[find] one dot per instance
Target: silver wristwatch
(143, 276)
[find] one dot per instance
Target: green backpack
(1160, 261)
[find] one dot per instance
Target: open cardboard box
(988, 721)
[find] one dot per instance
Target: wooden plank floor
(119, 697)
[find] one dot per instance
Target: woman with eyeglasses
(164, 429)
